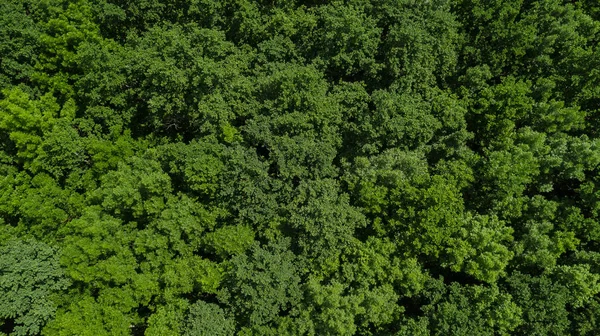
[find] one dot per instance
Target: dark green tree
(30, 279)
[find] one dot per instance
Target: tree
(30, 278)
(462, 310)
(262, 285)
(204, 319)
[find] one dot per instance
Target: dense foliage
(287, 167)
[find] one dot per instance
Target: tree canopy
(289, 167)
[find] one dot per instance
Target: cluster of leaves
(288, 167)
